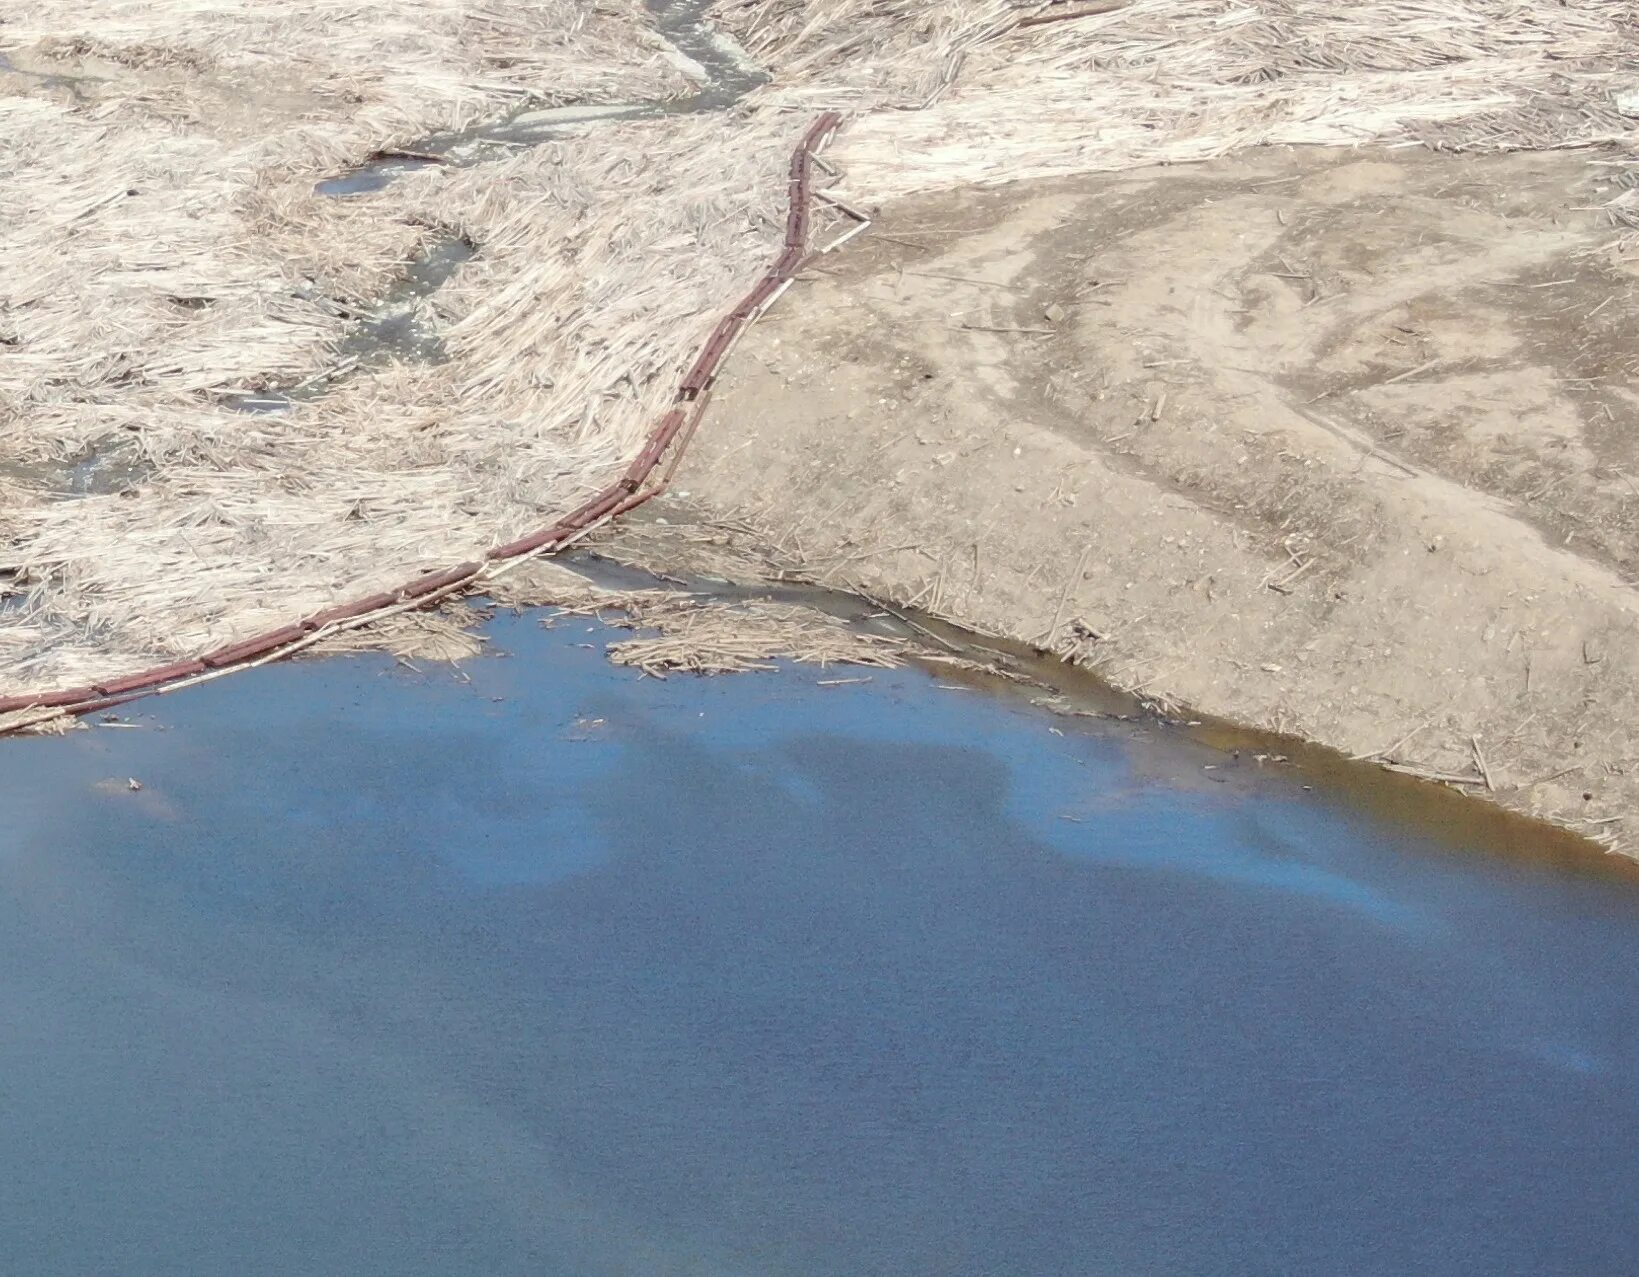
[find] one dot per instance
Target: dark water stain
(99, 471)
(547, 968)
(377, 175)
(392, 332)
(70, 84)
(729, 76)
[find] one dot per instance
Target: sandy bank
(1337, 444)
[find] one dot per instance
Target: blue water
(559, 971)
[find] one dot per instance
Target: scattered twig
(399, 153)
(842, 239)
(1479, 761)
(1283, 586)
(963, 279)
(1064, 597)
(1411, 372)
(1041, 19)
(1385, 754)
(849, 209)
(908, 243)
(327, 374)
(1423, 773)
(920, 629)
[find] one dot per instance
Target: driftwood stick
(1041, 19)
(1479, 761)
(1423, 773)
(1064, 597)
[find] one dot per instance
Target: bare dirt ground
(1335, 444)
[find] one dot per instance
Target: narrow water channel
(393, 330)
(543, 968)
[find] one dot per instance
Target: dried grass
(564, 340)
(699, 633)
(446, 635)
(675, 547)
(164, 245)
(1174, 81)
(39, 722)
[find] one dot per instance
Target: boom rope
(636, 486)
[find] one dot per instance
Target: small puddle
(94, 472)
(374, 176)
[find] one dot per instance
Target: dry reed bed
(161, 221)
(560, 363)
(1174, 81)
(700, 634)
(603, 260)
(156, 259)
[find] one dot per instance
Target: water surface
(546, 969)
